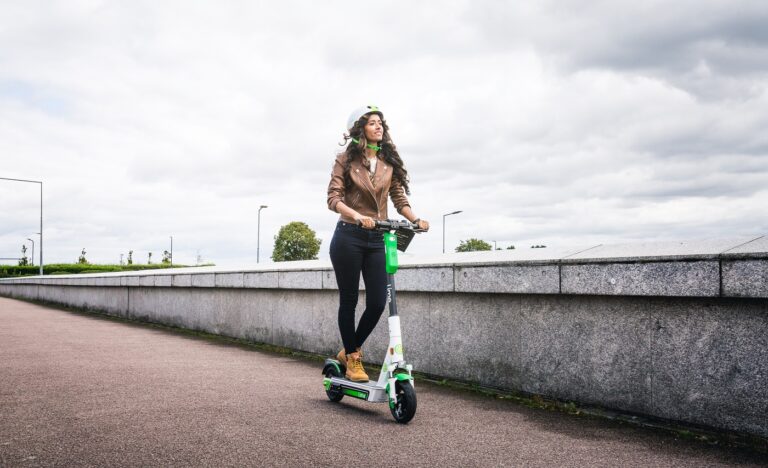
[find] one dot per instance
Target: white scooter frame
(395, 384)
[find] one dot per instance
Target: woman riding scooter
(364, 176)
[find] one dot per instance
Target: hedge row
(74, 268)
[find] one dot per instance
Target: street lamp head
(263, 206)
(456, 212)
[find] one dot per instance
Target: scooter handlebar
(394, 225)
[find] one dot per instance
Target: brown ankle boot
(355, 370)
(342, 356)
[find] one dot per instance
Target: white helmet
(357, 113)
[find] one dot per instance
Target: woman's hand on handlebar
(366, 222)
(423, 224)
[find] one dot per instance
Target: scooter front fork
(395, 367)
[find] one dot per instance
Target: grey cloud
(667, 40)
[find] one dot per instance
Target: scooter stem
(391, 295)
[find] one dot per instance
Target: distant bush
(295, 241)
(7, 271)
(473, 245)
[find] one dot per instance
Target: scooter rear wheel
(334, 394)
(405, 404)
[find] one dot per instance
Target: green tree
(296, 241)
(511, 247)
(130, 257)
(23, 261)
(473, 245)
(149, 259)
(166, 258)
(81, 259)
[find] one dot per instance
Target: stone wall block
(745, 278)
(521, 279)
(110, 300)
(710, 362)
(326, 321)
(111, 281)
(698, 278)
(425, 279)
(133, 281)
(203, 280)
(181, 281)
(240, 314)
(229, 280)
(593, 350)
(260, 280)
(173, 307)
(20, 291)
(147, 281)
(300, 279)
(294, 324)
(163, 281)
(479, 330)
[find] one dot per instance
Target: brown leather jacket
(363, 197)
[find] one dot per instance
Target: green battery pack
(390, 249)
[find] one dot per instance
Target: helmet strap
(369, 145)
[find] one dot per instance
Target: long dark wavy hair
(356, 151)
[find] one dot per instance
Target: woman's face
(374, 129)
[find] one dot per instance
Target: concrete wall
(677, 331)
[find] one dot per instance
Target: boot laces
(355, 364)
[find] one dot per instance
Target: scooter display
(395, 383)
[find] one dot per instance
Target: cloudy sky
(546, 122)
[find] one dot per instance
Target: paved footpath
(80, 390)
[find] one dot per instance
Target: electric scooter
(395, 383)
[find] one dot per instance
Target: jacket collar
(361, 172)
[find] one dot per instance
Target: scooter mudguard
(333, 363)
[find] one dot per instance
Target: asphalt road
(80, 390)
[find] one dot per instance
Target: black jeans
(354, 250)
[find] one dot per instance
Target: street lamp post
(447, 214)
(258, 231)
(41, 214)
(33, 250)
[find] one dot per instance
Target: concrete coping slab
(754, 249)
(705, 249)
(546, 270)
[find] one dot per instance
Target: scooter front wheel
(404, 408)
